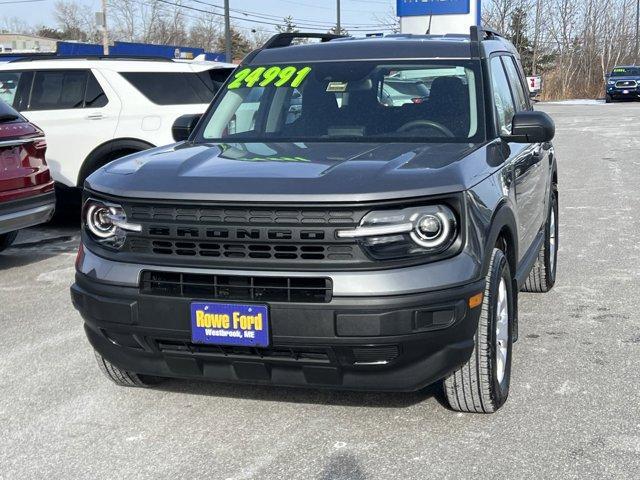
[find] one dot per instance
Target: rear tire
(124, 378)
(542, 277)
(7, 239)
(482, 384)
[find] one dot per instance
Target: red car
(27, 197)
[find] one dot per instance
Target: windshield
(625, 72)
(349, 101)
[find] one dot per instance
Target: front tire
(609, 99)
(542, 277)
(124, 378)
(7, 239)
(482, 384)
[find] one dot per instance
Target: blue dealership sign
(412, 8)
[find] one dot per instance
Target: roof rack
(286, 39)
(53, 56)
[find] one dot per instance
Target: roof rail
(286, 39)
(53, 56)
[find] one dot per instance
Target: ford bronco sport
(308, 232)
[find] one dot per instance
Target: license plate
(625, 92)
(230, 324)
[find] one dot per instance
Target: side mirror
(531, 127)
(183, 126)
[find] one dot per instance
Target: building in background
(126, 49)
(19, 43)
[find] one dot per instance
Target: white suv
(94, 110)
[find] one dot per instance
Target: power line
(21, 1)
(262, 22)
(299, 21)
(308, 5)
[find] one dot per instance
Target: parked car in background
(94, 110)
(26, 188)
(402, 92)
(535, 86)
(623, 83)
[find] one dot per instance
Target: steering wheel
(415, 124)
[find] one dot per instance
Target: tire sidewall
(500, 271)
(551, 269)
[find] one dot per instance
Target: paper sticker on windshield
(265, 76)
(337, 87)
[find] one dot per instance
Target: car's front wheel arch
(109, 151)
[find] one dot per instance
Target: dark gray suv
(308, 232)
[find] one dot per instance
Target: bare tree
(14, 25)
(205, 32)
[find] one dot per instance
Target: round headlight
(433, 230)
(429, 227)
(99, 222)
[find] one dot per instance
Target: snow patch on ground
(584, 101)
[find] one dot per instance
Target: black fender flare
(95, 158)
(503, 221)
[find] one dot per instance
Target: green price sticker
(265, 76)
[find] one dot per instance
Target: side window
(522, 103)
(58, 90)
(21, 99)
(172, 88)
(94, 96)
(9, 86)
(504, 106)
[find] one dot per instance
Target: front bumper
(619, 93)
(395, 343)
(26, 212)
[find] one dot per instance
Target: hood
(302, 172)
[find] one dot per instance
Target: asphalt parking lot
(574, 409)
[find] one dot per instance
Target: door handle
(95, 116)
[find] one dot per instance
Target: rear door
(76, 114)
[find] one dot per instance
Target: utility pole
(637, 29)
(105, 33)
(227, 32)
(338, 23)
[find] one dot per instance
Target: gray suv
(308, 232)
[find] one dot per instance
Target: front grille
(244, 251)
(306, 355)
(375, 355)
(261, 237)
(627, 84)
(237, 287)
